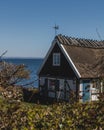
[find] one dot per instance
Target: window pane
(56, 59)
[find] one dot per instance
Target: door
(53, 88)
(86, 90)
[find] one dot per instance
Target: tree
(11, 77)
(11, 74)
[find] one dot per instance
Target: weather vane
(56, 27)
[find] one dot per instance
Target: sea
(32, 64)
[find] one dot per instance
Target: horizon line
(19, 57)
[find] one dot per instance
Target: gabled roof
(87, 55)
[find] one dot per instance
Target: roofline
(81, 42)
(46, 57)
(69, 60)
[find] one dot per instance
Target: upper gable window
(56, 59)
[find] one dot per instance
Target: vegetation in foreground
(18, 115)
(59, 116)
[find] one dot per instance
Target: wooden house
(72, 64)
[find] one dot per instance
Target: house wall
(61, 73)
(62, 91)
(88, 93)
(57, 88)
(64, 70)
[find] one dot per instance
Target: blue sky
(26, 26)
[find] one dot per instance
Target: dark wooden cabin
(72, 64)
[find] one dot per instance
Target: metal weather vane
(56, 27)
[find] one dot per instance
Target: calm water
(32, 64)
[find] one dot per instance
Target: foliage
(11, 77)
(61, 116)
(12, 93)
(11, 74)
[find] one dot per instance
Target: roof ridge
(81, 42)
(77, 38)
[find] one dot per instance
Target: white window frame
(56, 59)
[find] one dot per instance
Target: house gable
(66, 68)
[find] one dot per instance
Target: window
(56, 59)
(53, 85)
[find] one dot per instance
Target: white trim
(81, 91)
(47, 55)
(69, 60)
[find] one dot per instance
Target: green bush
(61, 116)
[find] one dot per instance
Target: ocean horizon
(32, 65)
(17, 57)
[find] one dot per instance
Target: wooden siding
(64, 70)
